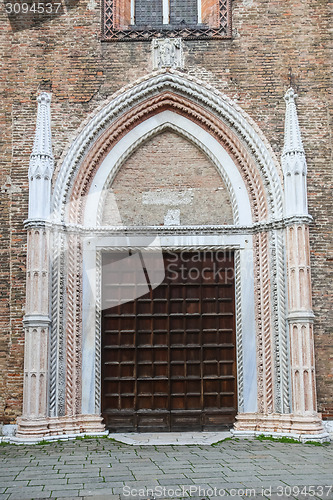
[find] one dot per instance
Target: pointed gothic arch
(254, 179)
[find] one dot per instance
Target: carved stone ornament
(167, 53)
(293, 161)
(41, 162)
(275, 371)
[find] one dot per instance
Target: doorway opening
(169, 356)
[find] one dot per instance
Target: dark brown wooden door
(168, 357)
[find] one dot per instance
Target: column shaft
(300, 321)
(36, 327)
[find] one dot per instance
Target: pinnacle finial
(43, 143)
(293, 161)
(290, 94)
(41, 162)
(292, 134)
(44, 97)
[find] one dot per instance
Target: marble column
(300, 314)
(303, 419)
(33, 422)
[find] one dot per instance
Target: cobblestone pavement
(105, 469)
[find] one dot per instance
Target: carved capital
(36, 320)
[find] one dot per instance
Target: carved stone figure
(167, 53)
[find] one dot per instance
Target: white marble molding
(62, 388)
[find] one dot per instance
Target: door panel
(168, 357)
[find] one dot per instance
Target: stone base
(328, 426)
(170, 438)
(304, 428)
(35, 429)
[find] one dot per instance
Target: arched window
(144, 19)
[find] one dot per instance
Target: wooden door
(169, 356)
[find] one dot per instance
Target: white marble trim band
(91, 341)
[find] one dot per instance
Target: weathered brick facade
(274, 44)
(173, 168)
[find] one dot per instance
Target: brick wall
(270, 37)
(176, 176)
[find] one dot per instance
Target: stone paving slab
(109, 470)
(173, 438)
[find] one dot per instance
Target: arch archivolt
(252, 176)
(206, 121)
(215, 113)
(135, 138)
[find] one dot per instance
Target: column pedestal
(37, 429)
(302, 428)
